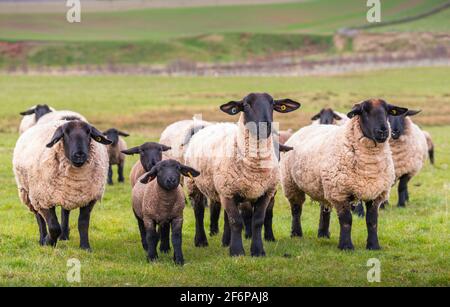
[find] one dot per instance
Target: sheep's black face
(326, 116)
(38, 111)
(397, 123)
(168, 173)
(113, 135)
(150, 154)
(373, 118)
(76, 136)
(258, 111)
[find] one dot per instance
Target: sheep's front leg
(54, 229)
(345, 221)
(142, 231)
(259, 214)
(83, 225)
(268, 230)
(120, 172)
(226, 237)
(324, 223)
(177, 226)
(236, 225)
(372, 225)
(42, 228)
(65, 230)
(165, 238)
(214, 218)
(110, 175)
(403, 190)
(199, 201)
(152, 239)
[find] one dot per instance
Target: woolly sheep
(32, 116)
(238, 164)
(409, 151)
(61, 115)
(336, 165)
(116, 156)
(150, 153)
(69, 173)
(161, 202)
(328, 116)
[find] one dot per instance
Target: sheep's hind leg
(268, 221)
(372, 226)
(54, 229)
(65, 230)
(324, 223)
(296, 211)
(83, 226)
(358, 209)
(403, 190)
(120, 172)
(42, 229)
(214, 211)
(236, 225)
(259, 214)
(110, 175)
(177, 225)
(345, 221)
(247, 216)
(226, 237)
(142, 231)
(164, 247)
(199, 202)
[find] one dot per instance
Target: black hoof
(164, 249)
(401, 205)
(86, 248)
(152, 258)
(49, 241)
(237, 252)
(64, 237)
(201, 242)
(248, 235)
(178, 261)
(346, 246)
(323, 234)
(297, 233)
(269, 238)
(373, 247)
(213, 232)
(260, 253)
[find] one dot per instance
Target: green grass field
(415, 240)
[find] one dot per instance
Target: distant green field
(414, 240)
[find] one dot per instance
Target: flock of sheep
(339, 160)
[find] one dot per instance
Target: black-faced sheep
(238, 164)
(328, 116)
(70, 171)
(32, 116)
(336, 165)
(115, 152)
(161, 202)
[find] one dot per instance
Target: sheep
(70, 171)
(150, 154)
(61, 115)
(116, 156)
(336, 165)
(409, 151)
(284, 135)
(430, 146)
(161, 202)
(32, 116)
(238, 164)
(328, 116)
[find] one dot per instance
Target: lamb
(328, 116)
(336, 165)
(116, 156)
(430, 146)
(238, 164)
(150, 154)
(161, 202)
(70, 171)
(32, 116)
(409, 151)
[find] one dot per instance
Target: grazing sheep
(328, 116)
(430, 146)
(116, 156)
(32, 115)
(238, 164)
(336, 165)
(409, 151)
(161, 202)
(70, 171)
(178, 135)
(150, 153)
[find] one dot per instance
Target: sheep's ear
(99, 137)
(150, 176)
(336, 116)
(28, 112)
(132, 151)
(284, 148)
(356, 110)
(286, 105)
(316, 117)
(124, 134)
(164, 147)
(57, 136)
(396, 111)
(232, 107)
(412, 112)
(188, 171)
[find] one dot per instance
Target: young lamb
(32, 115)
(328, 116)
(161, 202)
(150, 153)
(70, 171)
(116, 156)
(336, 165)
(409, 151)
(238, 164)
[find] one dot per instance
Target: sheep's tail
(431, 154)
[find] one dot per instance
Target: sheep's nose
(172, 181)
(79, 157)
